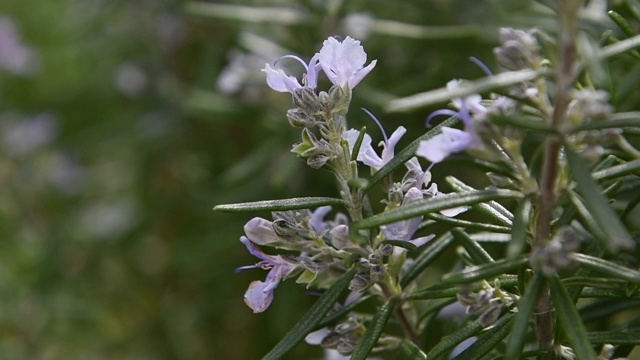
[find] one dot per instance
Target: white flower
(279, 81)
(367, 155)
(343, 61)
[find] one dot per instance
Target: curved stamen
(481, 65)
(297, 58)
(440, 112)
(384, 134)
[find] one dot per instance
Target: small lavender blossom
(405, 229)
(260, 231)
(15, 57)
(259, 295)
(452, 140)
(278, 80)
(343, 61)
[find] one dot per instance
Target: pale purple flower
(452, 140)
(367, 155)
(260, 231)
(343, 61)
(15, 57)
(259, 295)
(278, 80)
(405, 229)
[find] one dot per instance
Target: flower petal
(260, 231)
(256, 298)
(444, 144)
(279, 81)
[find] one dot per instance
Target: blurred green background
(122, 123)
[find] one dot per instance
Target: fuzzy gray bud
(308, 101)
(360, 282)
(317, 161)
(299, 119)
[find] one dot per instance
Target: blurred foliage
(128, 120)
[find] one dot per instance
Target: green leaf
(607, 267)
(491, 208)
(310, 320)
(449, 342)
(440, 291)
(488, 340)
(520, 230)
(486, 271)
(569, 320)
(619, 120)
(425, 206)
(524, 122)
(432, 97)
(614, 337)
(278, 205)
(374, 330)
(608, 294)
(619, 48)
(478, 254)
(526, 307)
(471, 225)
(408, 152)
(617, 171)
(401, 243)
(411, 351)
(432, 250)
(598, 205)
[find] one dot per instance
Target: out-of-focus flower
(343, 61)
(110, 219)
(359, 25)
(131, 80)
(22, 136)
(259, 295)
(15, 57)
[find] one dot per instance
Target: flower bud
(260, 231)
(490, 315)
(386, 249)
(317, 161)
(298, 118)
(308, 101)
(340, 239)
(346, 345)
(377, 273)
(346, 327)
(375, 258)
(282, 228)
(360, 282)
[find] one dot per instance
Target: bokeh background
(122, 123)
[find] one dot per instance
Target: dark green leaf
(598, 205)
(401, 243)
(486, 271)
(278, 205)
(478, 254)
(374, 330)
(408, 152)
(310, 320)
(608, 294)
(569, 320)
(526, 307)
(607, 267)
(488, 340)
(469, 224)
(614, 337)
(620, 120)
(617, 171)
(440, 291)
(491, 208)
(411, 351)
(449, 342)
(421, 207)
(431, 252)
(520, 230)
